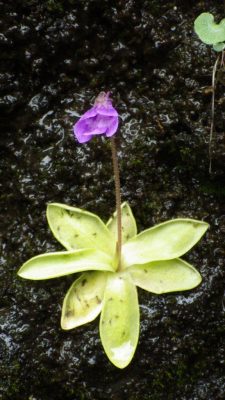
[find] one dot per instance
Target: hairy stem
(118, 199)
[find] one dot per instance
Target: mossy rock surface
(57, 56)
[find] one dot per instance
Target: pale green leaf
(53, 265)
(165, 276)
(119, 324)
(78, 229)
(165, 241)
(83, 301)
(208, 31)
(219, 47)
(129, 228)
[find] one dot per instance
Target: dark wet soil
(56, 56)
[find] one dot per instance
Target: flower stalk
(116, 173)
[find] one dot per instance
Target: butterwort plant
(112, 257)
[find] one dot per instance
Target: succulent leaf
(165, 241)
(165, 276)
(78, 229)
(119, 324)
(53, 265)
(83, 301)
(129, 228)
(208, 31)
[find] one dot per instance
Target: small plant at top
(112, 257)
(212, 33)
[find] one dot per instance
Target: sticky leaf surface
(119, 324)
(208, 31)
(165, 241)
(78, 229)
(129, 228)
(83, 301)
(53, 265)
(165, 276)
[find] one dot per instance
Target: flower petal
(119, 324)
(84, 125)
(165, 276)
(129, 228)
(53, 265)
(102, 123)
(78, 229)
(112, 127)
(165, 241)
(98, 125)
(97, 131)
(80, 131)
(101, 119)
(92, 112)
(83, 301)
(109, 110)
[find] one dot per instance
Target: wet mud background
(56, 56)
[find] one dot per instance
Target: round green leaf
(78, 229)
(53, 265)
(83, 301)
(208, 31)
(129, 228)
(165, 276)
(165, 241)
(119, 324)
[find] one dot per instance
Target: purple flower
(101, 119)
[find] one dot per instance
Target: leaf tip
(22, 274)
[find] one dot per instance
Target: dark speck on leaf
(76, 235)
(127, 236)
(78, 298)
(98, 299)
(69, 313)
(58, 228)
(145, 270)
(110, 299)
(110, 322)
(116, 316)
(83, 282)
(94, 234)
(87, 304)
